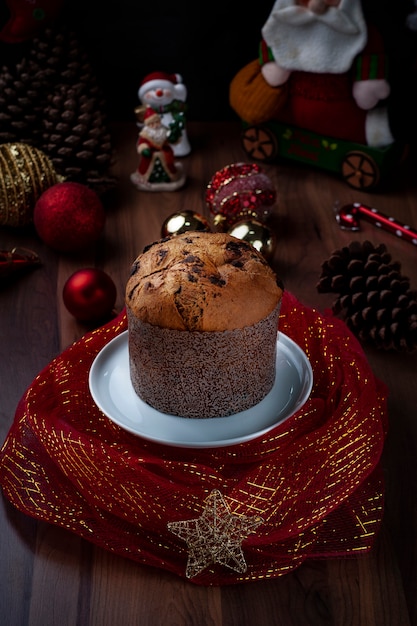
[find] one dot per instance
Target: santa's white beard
(302, 40)
(158, 135)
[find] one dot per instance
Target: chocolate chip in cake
(135, 267)
(189, 310)
(216, 280)
(192, 258)
(236, 247)
(161, 255)
(154, 243)
(131, 292)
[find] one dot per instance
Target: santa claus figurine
(166, 94)
(327, 66)
(157, 170)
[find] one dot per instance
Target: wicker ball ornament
(374, 298)
(25, 173)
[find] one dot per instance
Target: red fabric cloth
(315, 479)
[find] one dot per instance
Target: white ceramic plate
(112, 391)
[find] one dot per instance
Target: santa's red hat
(150, 115)
(162, 80)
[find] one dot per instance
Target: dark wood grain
(49, 577)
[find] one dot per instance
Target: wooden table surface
(49, 577)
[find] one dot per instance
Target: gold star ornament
(215, 537)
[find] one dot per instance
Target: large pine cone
(21, 111)
(51, 100)
(374, 298)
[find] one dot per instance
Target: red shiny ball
(69, 216)
(89, 295)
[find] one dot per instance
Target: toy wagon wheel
(260, 143)
(360, 170)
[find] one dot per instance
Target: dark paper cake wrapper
(203, 374)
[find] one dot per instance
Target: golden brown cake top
(202, 281)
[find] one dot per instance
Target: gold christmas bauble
(184, 221)
(25, 173)
(257, 234)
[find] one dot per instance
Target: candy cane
(349, 216)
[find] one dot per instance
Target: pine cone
(374, 298)
(20, 106)
(51, 100)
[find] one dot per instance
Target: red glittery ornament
(238, 191)
(89, 295)
(69, 216)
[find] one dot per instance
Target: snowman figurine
(166, 94)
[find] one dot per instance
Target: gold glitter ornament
(216, 536)
(25, 173)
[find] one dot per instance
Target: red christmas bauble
(89, 295)
(69, 216)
